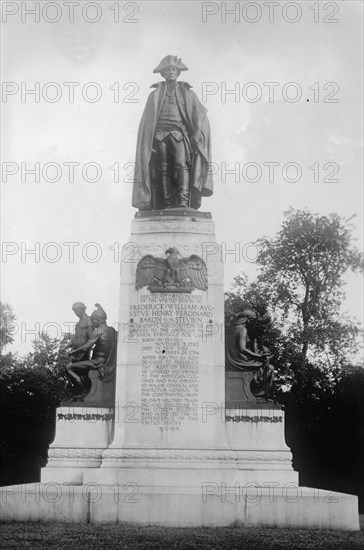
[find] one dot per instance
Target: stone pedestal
(171, 371)
(171, 435)
(257, 437)
(237, 391)
(82, 434)
(170, 452)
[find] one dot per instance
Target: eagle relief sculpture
(172, 274)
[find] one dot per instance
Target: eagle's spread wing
(150, 268)
(195, 269)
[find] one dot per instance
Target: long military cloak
(198, 128)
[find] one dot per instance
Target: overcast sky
(322, 130)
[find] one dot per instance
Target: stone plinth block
(212, 504)
(82, 434)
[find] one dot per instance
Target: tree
(7, 319)
(30, 390)
(302, 269)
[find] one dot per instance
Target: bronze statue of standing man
(173, 148)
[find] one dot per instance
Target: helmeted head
(98, 317)
(170, 67)
(79, 308)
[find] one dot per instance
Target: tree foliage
(7, 319)
(30, 390)
(301, 271)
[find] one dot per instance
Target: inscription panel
(169, 329)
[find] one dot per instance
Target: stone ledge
(172, 213)
(218, 505)
(196, 455)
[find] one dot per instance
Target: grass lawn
(56, 536)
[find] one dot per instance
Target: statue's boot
(183, 184)
(166, 192)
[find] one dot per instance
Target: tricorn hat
(99, 313)
(170, 61)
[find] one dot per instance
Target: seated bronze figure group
(93, 347)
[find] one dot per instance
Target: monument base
(249, 483)
(216, 505)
